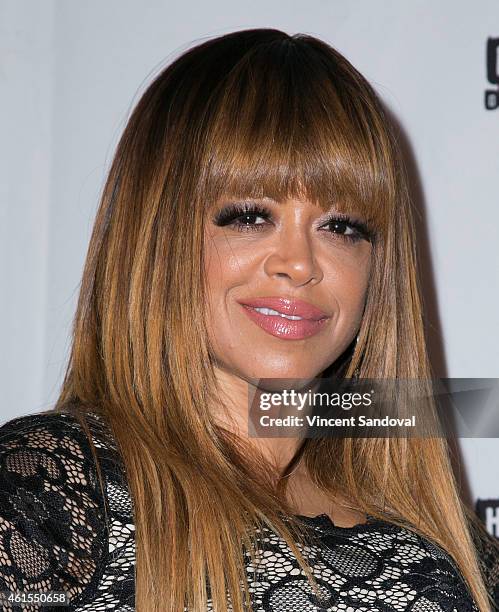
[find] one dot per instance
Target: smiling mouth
(272, 313)
(286, 325)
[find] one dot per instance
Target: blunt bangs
(288, 121)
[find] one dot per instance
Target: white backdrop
(71, 71)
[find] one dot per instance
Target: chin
(276, 385)
(283, 377)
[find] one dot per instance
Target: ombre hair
(254, 113)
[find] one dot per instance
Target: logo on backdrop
(492, 95)
(488, 511)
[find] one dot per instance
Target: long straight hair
(252, 113)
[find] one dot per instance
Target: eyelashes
(244, 218)
(241, 212)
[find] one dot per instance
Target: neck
(238, 411)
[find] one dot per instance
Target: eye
(251, 217)
(243, 217)
(347, 229)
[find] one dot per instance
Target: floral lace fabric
(54, 537)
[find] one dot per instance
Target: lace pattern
(54, 537)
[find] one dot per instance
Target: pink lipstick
(286, 318)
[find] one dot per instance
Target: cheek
(224, 268)
(346, 280)
(348, 264)
(230, 267)
(214, 275)
(350, 286)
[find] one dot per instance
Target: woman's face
(264, 257)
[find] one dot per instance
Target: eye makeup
(243, 216)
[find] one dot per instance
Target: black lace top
(53, 537)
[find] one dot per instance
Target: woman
(255, 224)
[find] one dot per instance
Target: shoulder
(450, 579)
(53, 534)
(488, 554)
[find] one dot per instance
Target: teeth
(273, 313)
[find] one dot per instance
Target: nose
(293, 258)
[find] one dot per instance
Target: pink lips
(311, 322)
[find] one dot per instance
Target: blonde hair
(252, 113)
